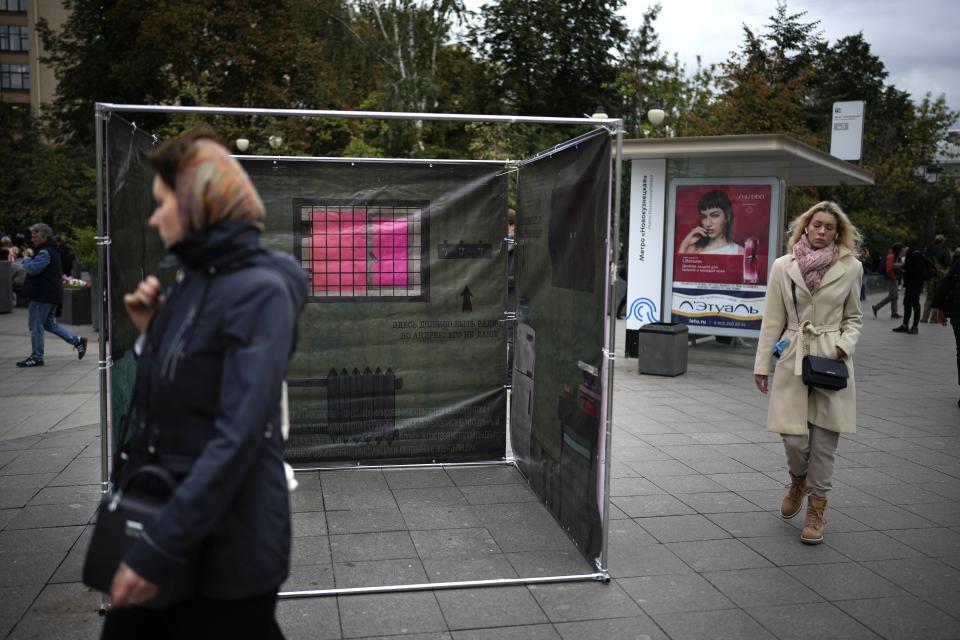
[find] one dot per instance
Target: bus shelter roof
(754, 155)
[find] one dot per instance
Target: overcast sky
(917, 40)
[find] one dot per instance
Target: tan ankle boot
(813, 524)
(793, 501)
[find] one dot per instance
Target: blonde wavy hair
(847, 234)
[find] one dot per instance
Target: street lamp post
(656, 116)
(927, 173)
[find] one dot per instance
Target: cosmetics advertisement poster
(722, 235)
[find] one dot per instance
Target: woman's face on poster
(822, 230)
(713, 220)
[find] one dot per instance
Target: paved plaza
(697, 549)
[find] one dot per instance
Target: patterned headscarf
(212, 187)
(814, 262)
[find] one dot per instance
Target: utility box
(6, 287)
(663, 349)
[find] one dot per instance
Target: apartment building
(23, 78)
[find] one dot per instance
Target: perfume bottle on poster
(751, 259)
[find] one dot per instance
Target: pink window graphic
(339, 252)
(390, 252)
(352, 253)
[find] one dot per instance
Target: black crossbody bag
(126, 513)
(819, 372)
(123, 517)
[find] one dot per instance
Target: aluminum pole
(613, 226)
(354, 115)
(436, 586)
(426, 465)
(99, 126)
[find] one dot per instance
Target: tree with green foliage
(765, 86)
(236, 52)
(41, 181)
(648, 77)
(904, 206)
(553, 57)
(411, 36)
(785, 79)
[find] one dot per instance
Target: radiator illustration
(361, 406)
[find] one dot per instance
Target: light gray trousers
(811, 455)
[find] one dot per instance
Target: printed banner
(645, 252)
(722, 237)
(401, 355)
(556, 407)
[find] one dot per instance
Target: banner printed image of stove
(361, 406)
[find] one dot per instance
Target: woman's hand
(761, 382)
(841, 353)
(129, 588)
(691, 239)
(143, 302)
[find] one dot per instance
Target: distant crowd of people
(935, 269)
(914, 270)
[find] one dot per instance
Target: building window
(370, 251)
(19, 6)
(13, 38)
(14, 76)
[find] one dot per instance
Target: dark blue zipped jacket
(207, 395)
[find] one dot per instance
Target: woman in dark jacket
(947, 301)
(213, 353)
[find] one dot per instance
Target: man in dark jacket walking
(43, 286)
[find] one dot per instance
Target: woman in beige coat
(812, 304)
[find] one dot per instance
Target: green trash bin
(662, 349)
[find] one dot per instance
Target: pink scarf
(814, 262)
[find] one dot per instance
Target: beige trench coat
(834, 318)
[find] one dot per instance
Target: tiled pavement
(696, 547)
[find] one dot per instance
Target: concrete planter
(76, 306)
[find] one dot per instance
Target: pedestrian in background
(66, 255)
(915, 272)
(813, 305)
(947, 303)
(891, 270)
(12, 250)
(43, 286)
(214, 351)
(939, 257)
(865, 260)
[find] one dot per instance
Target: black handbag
(816, 371)
(824, 373)
(122, 519)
